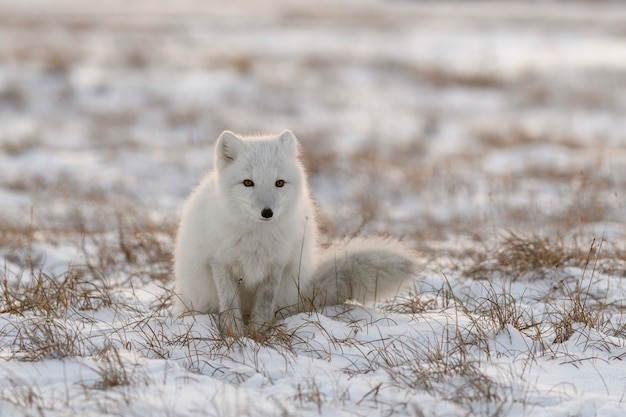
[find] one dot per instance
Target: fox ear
(228, 147)
(289, 142)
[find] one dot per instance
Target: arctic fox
(247, 243)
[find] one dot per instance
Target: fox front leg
(264, 304)
(230, 317)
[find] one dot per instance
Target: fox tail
(364, 270)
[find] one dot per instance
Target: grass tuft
(518, 256)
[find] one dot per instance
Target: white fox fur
(247, 242)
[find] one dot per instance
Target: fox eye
(248, 183)
(280, 183)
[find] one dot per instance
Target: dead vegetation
(534, 257)
(544, 290)
(109, 309)
(93, 312)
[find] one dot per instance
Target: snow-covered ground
(489, 136)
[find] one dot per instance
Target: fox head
(260, 178)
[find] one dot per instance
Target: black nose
(267, 213)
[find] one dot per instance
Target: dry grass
(500, 308)
(96, 311)
(47, 296)
(108, 311)
(571, 298)
(513, 136)
(14, 96)
(535, 257)
(445, 78)
(112, 369)
(53, 316)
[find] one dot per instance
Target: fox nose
(267, 213)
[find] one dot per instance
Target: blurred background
(428, 120)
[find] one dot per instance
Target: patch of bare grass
(411, 303)
(113, 370)
(449, 373)
(43, 295)
(572, 300)
(500, 307)
(441, 77)
(141, 248)
(112, 128)
(514, 136)
(41, 306)
(242, 64)
(51, 58)
(47, 306)
(445, 77)
(518, 256)
(50, 338)
(14, 96)
(177, 117)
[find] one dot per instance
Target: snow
(455, 126)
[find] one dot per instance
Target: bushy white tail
(361, 269)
